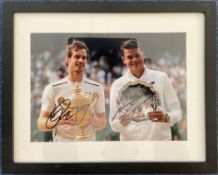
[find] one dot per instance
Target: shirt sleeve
(172, 102)
(48, 103)
(114, 121)
(100, 105)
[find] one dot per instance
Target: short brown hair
(76, 45)
(128, 44)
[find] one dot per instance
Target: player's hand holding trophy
(80, 109)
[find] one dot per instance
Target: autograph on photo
(67, 113)
(134, 106)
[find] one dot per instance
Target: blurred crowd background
(162, 52)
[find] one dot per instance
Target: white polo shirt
(64, 88)
(147, 130)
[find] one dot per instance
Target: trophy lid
(79, 96)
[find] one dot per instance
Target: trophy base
(82, 136)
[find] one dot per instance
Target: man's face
(78, 61)
(134, 60)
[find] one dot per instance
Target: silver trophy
(136, 99)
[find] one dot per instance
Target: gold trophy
(80, 109)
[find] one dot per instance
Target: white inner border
(192, 150)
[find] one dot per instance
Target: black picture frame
(207, 8)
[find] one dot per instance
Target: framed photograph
(176, 43)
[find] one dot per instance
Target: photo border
(208, 8)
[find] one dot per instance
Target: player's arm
(172, 102)
(158, 116)
(117, 120)
(173, 113)
(99, 121)
(41, 122)
(45, 123)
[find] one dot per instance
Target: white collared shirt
(64, 88)
(147, 130)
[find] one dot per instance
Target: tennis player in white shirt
(65, 128)
(159, 123)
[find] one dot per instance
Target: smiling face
(134, 60)
(77, 62)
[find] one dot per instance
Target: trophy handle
(82, 134)
(95, 97)
(64, 103)
(155, 102)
